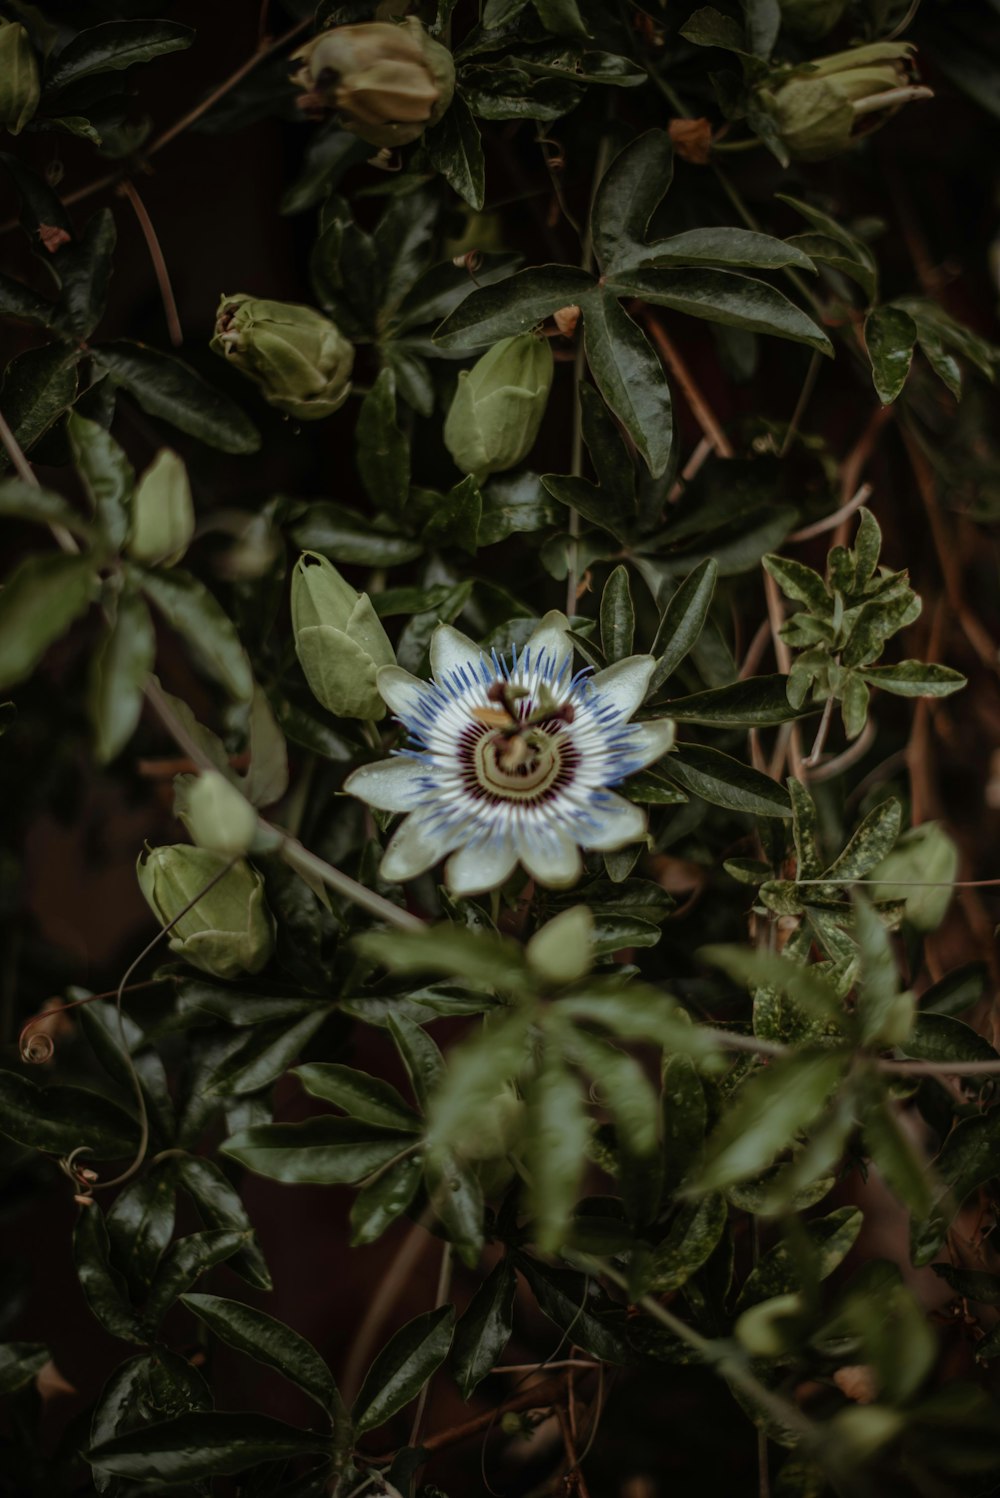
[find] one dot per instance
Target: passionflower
(511, 760)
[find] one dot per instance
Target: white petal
(551, 637)
(453, 651)
(652, 740)
(617, 822)
(551, 858)
(624, 685)
(391, 785)
(415, 847)
(402, 692)
(480, 866)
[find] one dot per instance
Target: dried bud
(818, 108)
(299, 358)
(228, 931)
(217, 815)
(692, 140)
(566, 320)
(498, 406)
(339, 640)
(162, 512)
(811, 19)
(387, 83)
(19, 84)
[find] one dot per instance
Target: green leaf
(106, 474)
(766, 1115)
(515, 305)
(250, 1063)
(555, 1148)
(364, 1097)
(455, 149)
(85, 270)
(692, 1238)
(726, 247)
(800, 583)
(579, 1307)
(967, 1160)
(445, 949)
(321, 1151)
(206, 629)
(403, 1366)
(456, 519)
(171, 390)
(708, 27)
(723, 296)
(683, 620)
(915, 679)
(345, 537)
(382, 452)
(113, 46)
(685, 1117)
(420, 1055)
(203, 1444)
(38, 387)
(19, 302)
(23, 501)
(38, 604)
(941, 1037)
(870, 843)
(220, 1207)
(971, 1284)
(617, 616)
(103, 1287)
(385, 1198)
(727, 782)
(628, 193)
(268, 1341)
(836, 246)
(630, 377)
(759, 702)
(477, 1070)
(484, 1329)
(890, 336)
(140, 1224)
(456, 1197)
(184, 1262)
(561, 17)
(20, 1362)
(119, 670)
(59, 1119)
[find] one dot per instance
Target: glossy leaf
(630, 376)
(169, 389)
(484, 1329)
(323, 1151)
(201, 1445)
(116, 45)
(207, 630)
(267, 1341)
(513, 306)
(403, 1366)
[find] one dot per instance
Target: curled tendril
(81, 1176)
(36, 1046)
(470, 261)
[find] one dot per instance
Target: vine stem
(174, 330)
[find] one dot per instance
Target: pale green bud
(339, 639)
(925, 862)
(498, 407)
(770, 1328)
(162, 512)
(229, 930)
(811, 19)
(217, 815)
(299, 358)
(19, 83)
(387, 83)
(494, 1129)
(562, 951)
(818, 108)
(860, 1431)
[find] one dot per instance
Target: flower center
(516, 761)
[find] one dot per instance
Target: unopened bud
(162, 512)
(339, 640)
(228, 929)
(819, 107)
(299, 358)
(386, 82)
(499, 404)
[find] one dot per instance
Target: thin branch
(700, 409)
(829, 522)
(174, 329)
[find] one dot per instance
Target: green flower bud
(299, 358)
(925, 864)
(387, 83)
(339, 640)
(162, 512)
(499, 404)
(229, 930)
(817, 109)
(217, 815)
(811, 19)
(19, 85)
(494, 1129)
(562, 950)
